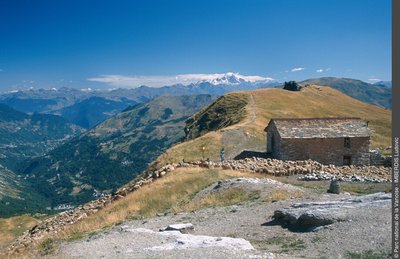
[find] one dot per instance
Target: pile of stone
(323, 176)
(311, 169)
(378, 159)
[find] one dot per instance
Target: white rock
(178, 227)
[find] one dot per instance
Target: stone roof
(321, 127)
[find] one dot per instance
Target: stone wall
(274, 137)
(323, 150)
(326, 151)
(380, 160)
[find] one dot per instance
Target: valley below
(108, 190)
(214, 212)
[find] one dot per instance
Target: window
(347, 142)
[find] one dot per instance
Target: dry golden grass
(264, 104)
(168, 194)
(320, 102)
(193, 150)
(10, 228)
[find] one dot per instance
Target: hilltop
(369, 93)
(252, 112)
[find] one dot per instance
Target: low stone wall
(274, 167)
(285, 168)
(379, 160)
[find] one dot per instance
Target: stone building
(337, 141)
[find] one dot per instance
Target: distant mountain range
(112, 153)
(87, 108)
(24, 136)
(379, 94)
(92, 111)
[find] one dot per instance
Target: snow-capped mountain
(232, 78)
(87, 107)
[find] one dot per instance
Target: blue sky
(64, 43)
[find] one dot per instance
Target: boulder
(183, 228)
(309, 216)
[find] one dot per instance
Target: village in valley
(308, 183)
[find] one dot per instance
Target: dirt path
(236, 139)
(252, 108)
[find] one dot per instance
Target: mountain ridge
(76, 105)
(23, 135)
(369, 93)
(261, 106)
(112, 153)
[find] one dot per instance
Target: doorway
(346, 160)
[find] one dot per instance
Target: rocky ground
(267, 222)
(337, 226)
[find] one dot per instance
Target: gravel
(232, 232)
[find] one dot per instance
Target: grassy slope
(10, 228)
(264, 104)
(172, 193)
(16, 196)
(227, 110)
(9, 184)
(381, 96)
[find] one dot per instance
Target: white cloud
(296, 69)
(159, 81)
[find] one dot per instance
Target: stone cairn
(310, 170)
